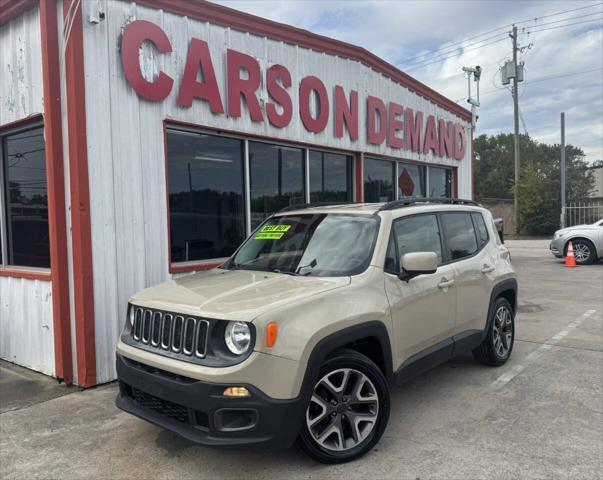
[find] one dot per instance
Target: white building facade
(144, 140)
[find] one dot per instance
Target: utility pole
(562, 170)
(516, 125)
(513, 70)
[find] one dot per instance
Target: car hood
(233, 294)
(567, 230)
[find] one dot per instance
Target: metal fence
(579, 213)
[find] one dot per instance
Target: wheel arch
(505, 289)
(579, 237)
(369, 338)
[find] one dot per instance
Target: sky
(433, 40)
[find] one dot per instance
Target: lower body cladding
(200, 412)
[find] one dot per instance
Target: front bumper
(198, 411)
(556, 247)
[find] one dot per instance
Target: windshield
(310, 245)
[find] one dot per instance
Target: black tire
(489, 351)
(581, 244)
(337, 364)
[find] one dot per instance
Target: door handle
(445, 283)
(487, 268)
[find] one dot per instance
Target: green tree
(539, 189)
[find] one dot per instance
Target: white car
(587, 241)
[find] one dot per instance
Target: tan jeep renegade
(323, 309)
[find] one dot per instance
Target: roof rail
(407, 202)
(302, 206)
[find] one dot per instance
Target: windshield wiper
(285, 272)
(310, 265)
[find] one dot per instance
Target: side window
(460, 235)
(391, 260)
(419, 233)
(480, 228)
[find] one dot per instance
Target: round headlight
(237, 337)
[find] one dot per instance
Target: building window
(277, 179)
(24, 237)
(440, 182)
(411, 180)
(330, 177)
(206, 192)
(378, 180)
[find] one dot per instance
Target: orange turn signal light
(271, 332)
(236, 392)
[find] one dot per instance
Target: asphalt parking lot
(539, 416)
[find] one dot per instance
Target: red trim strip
(57, 224)
(10, 9)
(244, 22)
(22, 122)
(83, 289)
(359, 164)
(28, 274)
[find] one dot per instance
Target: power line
(543, 79)
(466, 46)
(564, 20)
(456, 55)
(449, 46)
(563, 26)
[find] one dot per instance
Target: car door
(473, 265)
(423, 308)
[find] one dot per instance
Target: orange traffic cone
(570, 261)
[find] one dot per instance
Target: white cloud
(399, 31)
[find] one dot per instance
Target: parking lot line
(536, 354)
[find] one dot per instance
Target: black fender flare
(328, 345)
(508, 284)
(335, 341)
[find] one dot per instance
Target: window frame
(392, 238)
(8, 269)
(396, 167)
(476, 228)
(174, 125)
(445, 239)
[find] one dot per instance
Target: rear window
(460, 236)
(480, 228)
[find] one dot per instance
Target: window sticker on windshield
(272, 232)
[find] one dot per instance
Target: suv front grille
(170, 332)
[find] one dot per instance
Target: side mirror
(417, 263)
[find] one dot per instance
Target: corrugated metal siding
(126, 148)
(20, 68)
(26, 328)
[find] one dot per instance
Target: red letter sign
(374, 106)
(238, 86)
(431, 137)
(446, 145)
(199, 58)
(135, 34)
(395, 125)
(413, 130)
(345, 112)
(280, 95)
(318, 124)
(460, 144)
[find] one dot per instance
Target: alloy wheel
(343, 409)
(581, 252)
(503, 331)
